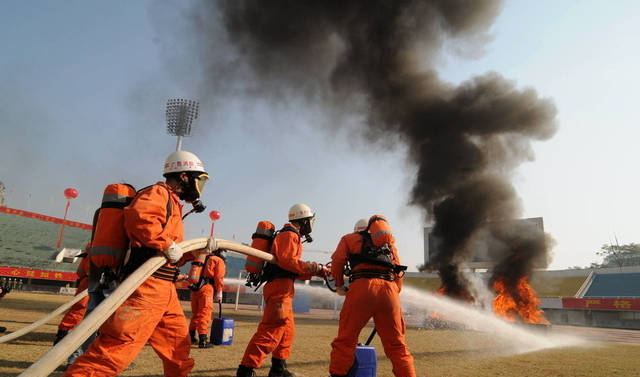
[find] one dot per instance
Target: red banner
(601, 303)
(37, 216)
(17, 272)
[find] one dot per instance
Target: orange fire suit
(276, 330)
(367, 298)
(153, 312)
(202, 300)
(75, 314)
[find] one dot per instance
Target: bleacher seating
(615, 285)
(548, 285)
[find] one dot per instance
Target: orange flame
(523, 310)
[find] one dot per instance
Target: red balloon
(70, 193)
(215, 215)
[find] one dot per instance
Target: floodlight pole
(181, 114)
(64, 219)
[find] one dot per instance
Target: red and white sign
(28, 273)
(601, 303)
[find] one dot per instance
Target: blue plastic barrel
(222, 329)
(366, 362)
(301, 302)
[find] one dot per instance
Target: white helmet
(361, 225)
(300, 211)
(180, 161)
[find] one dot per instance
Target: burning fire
(459, 294)
(522, 308)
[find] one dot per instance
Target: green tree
(620, 255)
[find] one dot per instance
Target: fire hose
(45, 319)
(90, 324)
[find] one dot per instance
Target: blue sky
(584, 56)
(83, 85)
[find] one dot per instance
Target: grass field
(437, 352)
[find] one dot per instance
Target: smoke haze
(376, 59)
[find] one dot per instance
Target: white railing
(585, 286)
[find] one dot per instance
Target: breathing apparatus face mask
(192, 188)
(306, 227)
(200, 181)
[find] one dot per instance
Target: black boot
(244, 371)
(279, 368)
(192, 333)
(61, 334)
(203, 342)
(2, 329)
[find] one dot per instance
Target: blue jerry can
(222, 330)
(366, 362)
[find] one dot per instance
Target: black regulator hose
(328, 279)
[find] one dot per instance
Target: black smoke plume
(377, 58)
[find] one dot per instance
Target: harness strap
(167, 273)
(372, 274)
(289, 229)
(138, 255)
(279, 272)
(203, 279)
(116, 205)
(273, 271)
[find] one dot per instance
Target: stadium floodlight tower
(181, 114)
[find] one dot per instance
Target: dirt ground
(442, 352)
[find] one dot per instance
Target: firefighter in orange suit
(203, 294)
(276, 330)
(75, 314)
(374, 290)
(152, 314)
